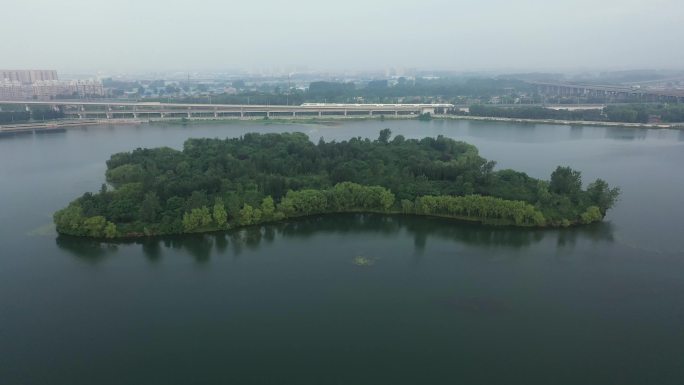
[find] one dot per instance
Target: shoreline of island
(493, 222)
(457, 219)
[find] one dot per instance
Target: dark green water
(442, 302)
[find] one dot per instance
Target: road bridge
(648, 94)
(112, 110)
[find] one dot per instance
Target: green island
(219, 184)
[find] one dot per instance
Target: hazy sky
(184, 35)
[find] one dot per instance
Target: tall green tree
(219, 213)
(385, 135)
(566, 181)
(601, 195)
(268, 209)
(150, 207)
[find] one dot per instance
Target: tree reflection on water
(202, 246)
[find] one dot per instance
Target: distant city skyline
(462, 35)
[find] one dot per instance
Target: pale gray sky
(141, 35)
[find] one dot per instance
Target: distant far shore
(564, 122)
(65, 123)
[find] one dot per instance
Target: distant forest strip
(632, 113)
(377, 91)
(215, 184)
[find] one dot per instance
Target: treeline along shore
(218, 184)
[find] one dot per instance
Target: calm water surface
(442, 303)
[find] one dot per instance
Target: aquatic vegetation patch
(363, 261)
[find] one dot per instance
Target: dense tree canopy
(527, 112)
(215, 184)
(36, 114)
(643, 113)
(405, 90)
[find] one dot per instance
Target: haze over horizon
(462, 35)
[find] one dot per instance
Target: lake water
(441, 303)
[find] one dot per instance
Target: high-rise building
(44, 84)
(27, 76)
